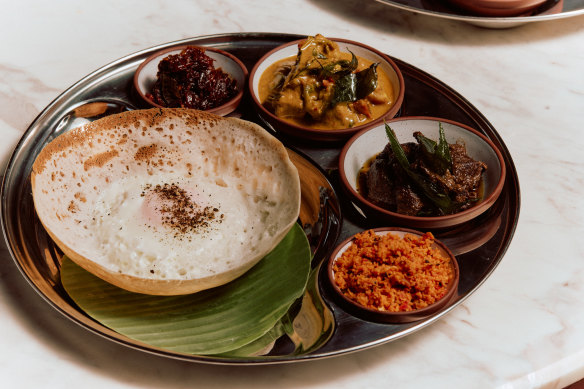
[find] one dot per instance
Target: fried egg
(147, 225)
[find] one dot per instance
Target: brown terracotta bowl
(498, 7)
(386, 316)
(368, 143)
(145, 75)
(290, 50)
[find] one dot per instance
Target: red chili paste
(189, 80)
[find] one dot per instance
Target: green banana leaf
(258, 346)
(214, 321)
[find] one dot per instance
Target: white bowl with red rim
(370, 142)
(290, 49)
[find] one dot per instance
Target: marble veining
(521, 329)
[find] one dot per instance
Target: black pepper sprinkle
(180, 213)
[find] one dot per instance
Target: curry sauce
(315, 87)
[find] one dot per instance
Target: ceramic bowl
(290, 50)
(145, 75)
(368, 143)
(386, 316)
(498, 7)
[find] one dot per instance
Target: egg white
(130, 243)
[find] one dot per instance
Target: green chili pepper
(437, 155)
(441, 200)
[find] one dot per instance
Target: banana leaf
(214, 321)
(259, 346)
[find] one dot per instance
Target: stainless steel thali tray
(322, 329)
(550, 10)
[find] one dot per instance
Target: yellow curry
(325, 88)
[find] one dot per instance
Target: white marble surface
(522, 329)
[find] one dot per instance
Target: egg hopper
(115, 197)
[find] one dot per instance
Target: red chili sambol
(189, 80)
(390, 273)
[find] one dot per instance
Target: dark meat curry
(325, 88)
(426, 178)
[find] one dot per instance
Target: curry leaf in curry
(345, 89)
(366, 81)
(355, 86)
(441, 200)
(337, 69)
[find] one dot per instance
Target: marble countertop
(521, 329)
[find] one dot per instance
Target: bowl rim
(399, 316)
(223, 108)
(498, 7)
(429, 221)
(505, 4)
(319, 133)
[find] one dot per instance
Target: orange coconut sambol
(393, 273)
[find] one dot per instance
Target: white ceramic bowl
(145, 75)
(290, 49)
(364, 145)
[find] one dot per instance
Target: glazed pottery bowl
(146, 75)
(385, 316)
(363, 146)
(386, 65)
